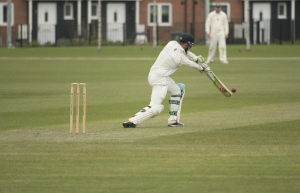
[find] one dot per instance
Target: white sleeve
(226, 30)
(207, 24)
(191, 56)
(188, 63)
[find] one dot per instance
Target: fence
(261, 32)
(18, 35)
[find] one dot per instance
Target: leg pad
(145, 114)
(175, 105)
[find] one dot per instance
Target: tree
(99, 26)
(8, 28)
(247, 22)
(154, 25)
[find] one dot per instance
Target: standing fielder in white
(216, 28)
(170, 58)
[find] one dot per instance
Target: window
(260, 16)
(163, 14)
(115, 17)
(225, 7)
(281, 10)
(68, 11)
(46, 17)
(94, 11)
(3, 13)
(151, 14)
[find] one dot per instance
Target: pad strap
(173, 113)
(144, 110)
(174, 102)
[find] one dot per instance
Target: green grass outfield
(244, 144)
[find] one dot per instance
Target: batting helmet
(187, 38)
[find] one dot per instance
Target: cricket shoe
(175, 124)
(129, 124)
(226, 62)
(209, 62)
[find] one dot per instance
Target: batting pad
(146, 113)
(175, 105)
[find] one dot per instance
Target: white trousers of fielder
(213, 42)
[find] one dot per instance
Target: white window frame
(224, 4)
(2, 23)
(94, 16)
(284, 9)
(159, 14)
(71, 16)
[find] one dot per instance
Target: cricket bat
(217, 82)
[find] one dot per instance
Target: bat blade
(217, 82)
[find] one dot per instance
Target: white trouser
(160, 86)
(213, 41)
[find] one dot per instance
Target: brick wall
(236, 10)
(20, 11)
(21, 16)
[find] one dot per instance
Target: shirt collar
(180, 47)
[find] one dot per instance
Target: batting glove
(201, 71)
(200, 59)
(205, 68)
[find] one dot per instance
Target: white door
(116, 19)
(262, 13)
(46, 23)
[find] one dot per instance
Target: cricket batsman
(174, 55)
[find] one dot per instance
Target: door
(116, 19)
(261, 16)
(46, 23)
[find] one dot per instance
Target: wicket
(77, 107)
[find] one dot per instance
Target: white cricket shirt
(171, 57)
